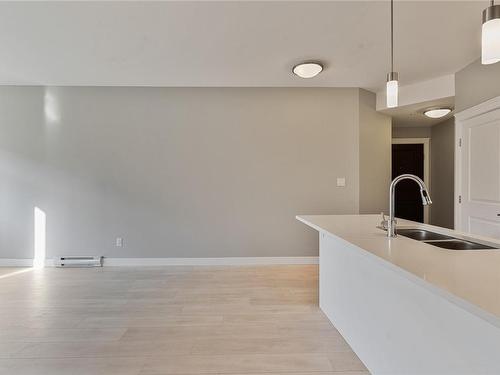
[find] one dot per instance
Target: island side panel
(395, 325)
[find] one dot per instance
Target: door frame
(427, 164)
(461, 119)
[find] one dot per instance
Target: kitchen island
(405, 306)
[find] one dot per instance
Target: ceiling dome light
(490, 39)
(307, 69)
(437, 112)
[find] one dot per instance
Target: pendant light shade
(392, 85)
(392, 88)
(490, 43)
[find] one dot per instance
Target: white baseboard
(138, 262)
(227, 261)
(16, 262)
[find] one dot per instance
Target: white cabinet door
(480, 175)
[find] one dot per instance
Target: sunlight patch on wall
(51, 107)
(40, 238)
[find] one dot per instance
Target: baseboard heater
(85, 261)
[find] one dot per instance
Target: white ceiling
(233, 43)
(413, 115)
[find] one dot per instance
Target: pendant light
(392, 85)
(490, 43)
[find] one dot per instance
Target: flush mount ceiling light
(307, 69)
(392, 85)
(490, 39)
(437, 112)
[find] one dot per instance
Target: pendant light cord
(392, 35)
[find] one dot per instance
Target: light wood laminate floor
(168, 320)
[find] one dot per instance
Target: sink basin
(422, 235)
(441, 240)
(456, 244)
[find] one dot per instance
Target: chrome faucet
(390, 224)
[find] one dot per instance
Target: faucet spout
(426, 199)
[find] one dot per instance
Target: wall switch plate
(119, 242)
(340, 181)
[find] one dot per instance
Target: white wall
(176, 172)
(476, 83)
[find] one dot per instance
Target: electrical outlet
(119, 242)
(340, 181)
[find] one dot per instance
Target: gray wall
(443, 173)
(22, 168)
(442, 167)
(411, 132)
(374, 156)
(176, 172)
(475, 84)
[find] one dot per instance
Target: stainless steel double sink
(441, 240)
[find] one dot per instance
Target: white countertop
(471, 275)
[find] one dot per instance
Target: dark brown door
(408, 158)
